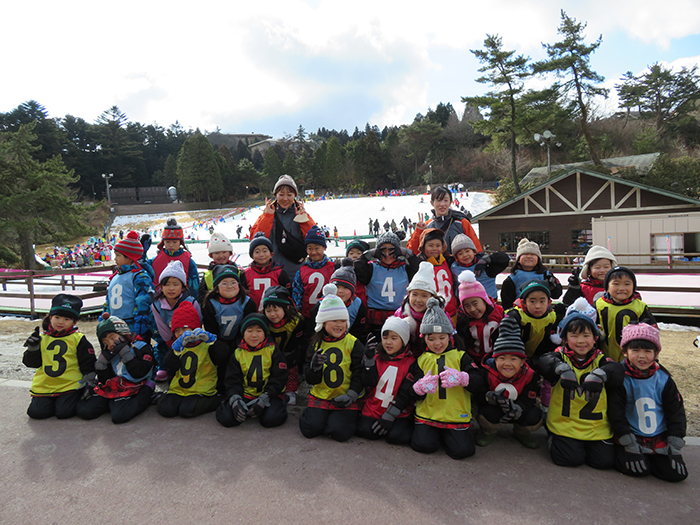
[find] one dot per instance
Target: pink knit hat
(642, 331)
(470, 287)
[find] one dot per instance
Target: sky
(269, 67)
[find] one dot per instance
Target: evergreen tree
(272, 169)
(290, 165)
(258, 160)
(118, 152)
(170, 172)
(242, 151)
(197, 171)
(47, 133)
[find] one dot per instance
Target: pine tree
(197, 170)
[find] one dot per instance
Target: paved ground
(195, 471)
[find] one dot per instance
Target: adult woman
(452, 222)
(285, 223)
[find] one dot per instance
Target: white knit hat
(174, 269)
(595, 253)
(527, 246)
(331, 308)
(424, 279)
(398, 325)
(218, 242)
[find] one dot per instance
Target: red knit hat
(185, 316)
(172, 230)
(130, 246)
(643, 331)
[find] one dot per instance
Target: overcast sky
(267, 67)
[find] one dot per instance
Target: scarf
(60, 333)
(590, 357)
(631, 371)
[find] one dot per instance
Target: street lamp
(546, 139)
(106, 178)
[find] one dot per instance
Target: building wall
(139, 209)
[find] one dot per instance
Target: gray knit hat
(285, 180)
(509, 340)
(345, 275)
(435, 320)
(527, 246)
(460, 242)
(389, 238)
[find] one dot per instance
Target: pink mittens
(450, 378)
(428, 384)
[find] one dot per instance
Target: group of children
(407, 347)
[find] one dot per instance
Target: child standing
(263, 272)
(577, 419)
(354, 250)
(64, 359)
(192, 363)
(620, 305)
(384, 368)
(478, 317)
(130, 287)
(334, 369)
(172, 292)
(172, 247)
(314, 273)
(587, 281)
(652, 425)
(536, 318)
(432, 246)
(414, 305)
(528, 266)
(220, 251)
(512, 390)
(255, 378)
(485, 267)
(124, 369)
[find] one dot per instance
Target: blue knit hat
(315, 236)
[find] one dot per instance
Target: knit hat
(579, 306)
(130, 246)
(315, 236)
(285, 180)
(255, 320)
(424, 279)
(276, 295)
(174, 269)
(643, 331)
(389, 238)
(470, 287)
(526, 246)
(461, 242)
(218, 242)
(536, 285)
(223, 271)
(259, 240)
(435, 320)
(185, 316)
(345, 275)
(595, 253)
(112, 324)
(172, 230)
(398, 325)
(623, 269)
(331, 307)
(356, 243)
(431, 234)
(66, 305)
(509, 340)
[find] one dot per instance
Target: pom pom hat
(218, 242)
(331, 308)
(644, 331)
(112, 324)
(424, 279)
(462, 242)
(435, 320)
(185, 316)
(526, 246)
(470, 287)
(173, 230)
(580, 309)
(130, 246)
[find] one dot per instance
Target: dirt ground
(678, 355)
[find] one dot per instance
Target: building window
(581, 240)
(508, 242)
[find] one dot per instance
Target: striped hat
(172, 230)
(331, 307)
(509, 341)
(130, 246)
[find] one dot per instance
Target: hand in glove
(427, 384)
(370, 254)
(179, 345)
(196, 336)
(240, 409)
(593, 384)
(513, 414)
(634, 459)
(142, 324)
(481, 265)
(318, 360)
(385, 423)
(450, 378)
(370, 351)
(345, 400)
(33, 342)
(675, 444)
(101, 363)
(575, 278)
(89, 381)
(567, 380)
(552, 281)
(257, 405)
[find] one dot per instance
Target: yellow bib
(59, 371)
(535, 330)
(197, 373)
(613, 318)
(256, 369)
(447, 405)
(336, 371)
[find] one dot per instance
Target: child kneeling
(255, 378)
(334, 370)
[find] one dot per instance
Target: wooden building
(558, 213)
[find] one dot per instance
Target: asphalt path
(157, 470)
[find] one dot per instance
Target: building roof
(617, 180)
(643, 163)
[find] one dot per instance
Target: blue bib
(644, 410)
(387, 288)
(489, 283)
(120, 369)
(353, 309)
(229, 317)
(521, 277)
(121, 297)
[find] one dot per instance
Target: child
(263, 272)
(255, 378)
(130, 287)
(587, 281)
(220, 251)
(385, 367)
(421, 288)
(124, 370)
(485, 267)
(528, 266)
(287, 329)
(171, 247)
(512, 390)
(577, 419)
(432, 246)
(314, 273)
(651, 424)
(386, 278)
(354, 250)
(444, 378)
(192, 363)
(478, 317)
(334, 371)
(64, 359)
(536, 318)
(620, 305)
